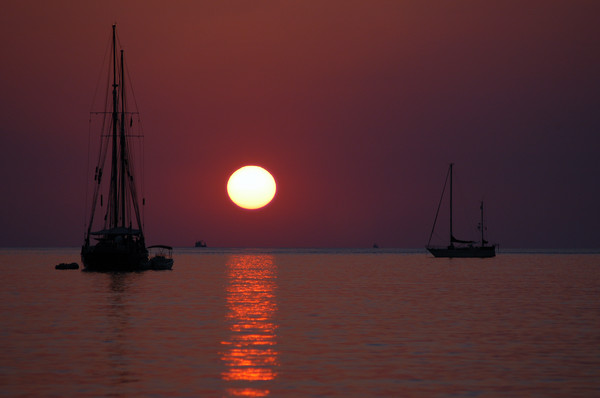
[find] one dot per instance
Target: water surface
(305, 323)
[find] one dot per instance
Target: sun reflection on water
(251, 353)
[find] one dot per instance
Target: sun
(251, 187)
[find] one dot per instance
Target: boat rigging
(458, 247)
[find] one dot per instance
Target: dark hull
(160, 263)
(105, 258)
(464, 252)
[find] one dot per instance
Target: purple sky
(356, 108)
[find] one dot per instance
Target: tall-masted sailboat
(119, 243)
(457, 247)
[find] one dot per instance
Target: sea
(302, 323)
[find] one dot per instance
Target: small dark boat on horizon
(460, 248)
(66, 266)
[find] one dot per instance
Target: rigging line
(102, 153)
(104, 62)
(100, 166)
(95, 96)
(438, 208)
(87, 171)
(143, 178)
(131, 86)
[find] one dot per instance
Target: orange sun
(251, 187)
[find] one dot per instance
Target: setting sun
(251, 187)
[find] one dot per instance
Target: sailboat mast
(451, 235)
(123, 147)
(115, 118)
(482, 226)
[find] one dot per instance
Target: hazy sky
(356, 107)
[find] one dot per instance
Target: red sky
(356, 107)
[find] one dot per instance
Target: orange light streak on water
(251, 354)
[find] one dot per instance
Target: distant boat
(200, 243)
(67, 266)
(119, 246)
(457, 247)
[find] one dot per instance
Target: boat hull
(160, 263)
(105, 258)
(463, 252)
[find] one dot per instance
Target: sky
(355, 107)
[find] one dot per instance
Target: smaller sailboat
(457, 247)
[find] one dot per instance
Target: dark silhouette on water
(119, 245)
(161, 257)
(463, 248)
(66, 266)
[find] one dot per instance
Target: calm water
(305, 323)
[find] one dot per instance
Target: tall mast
(123, 147)
(451, 235)
(482, 226)
(113, 203)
